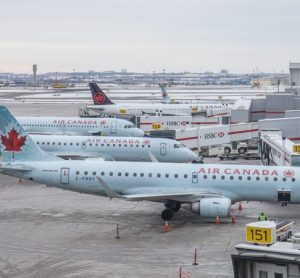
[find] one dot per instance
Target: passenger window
(248, 178)
(205, 177)
(214, 177)
(111, 173)
(53, 143)
(176, 176)
(283, 179)
(141, 174)
(126, 174)
(167, 175)
(150, 175)
(266, 178)
(65, 143)
(240, 177)
(222, 177)
(85, 172)
(258, 178)
(185, 176)
(102, 173)
(158, 175)
(293, 179)
(77, 172)
(134, 174)
(91, 144)
(231, 177)
(119, 174)
(94, 173)
(275, 179)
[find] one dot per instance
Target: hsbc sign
(213, 135)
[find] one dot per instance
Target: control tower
(34, 69)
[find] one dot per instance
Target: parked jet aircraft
(209, 190)
(115, 148)
(80, 126)
(104, 105)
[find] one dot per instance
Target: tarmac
(47, 232)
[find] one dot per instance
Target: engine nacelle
(212, 207)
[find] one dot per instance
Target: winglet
(109, 192)
(152, 157)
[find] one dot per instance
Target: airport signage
(260, 235)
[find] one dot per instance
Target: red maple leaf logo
(99, 98)
(289, 173)
(13, 142)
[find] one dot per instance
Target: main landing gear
(171, 207)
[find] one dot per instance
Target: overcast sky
(144, 35)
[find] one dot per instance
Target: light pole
(74, 71)
(153, 78)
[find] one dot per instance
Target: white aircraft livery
(208, 190)
(80, 126)
(104, 105)
(115, 148)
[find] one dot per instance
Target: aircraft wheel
(167, 214)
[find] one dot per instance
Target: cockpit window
(176, 146)
(128, 126)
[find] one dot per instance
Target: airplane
(115, 148)
(104, 105)
(80, 126)
(165, 96)
(207, 190)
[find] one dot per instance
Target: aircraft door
(163, 148)
(83, 145)
(195, 177)
(113, 127)
(64, 175)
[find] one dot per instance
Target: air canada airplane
(208, 190)
(104, 105)
(115, 148)
(80, 126)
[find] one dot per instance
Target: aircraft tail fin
(99, 97)
(16, 143)
(165, 96)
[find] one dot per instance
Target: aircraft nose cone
(192, 155)
(138, 133)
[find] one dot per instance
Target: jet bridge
(274, 149)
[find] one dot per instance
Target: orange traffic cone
(233, 221)
(240, 206)
(217, 220)
(166, 227)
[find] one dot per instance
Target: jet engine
(212, 207)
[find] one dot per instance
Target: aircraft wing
(13, 168)
(159, 194)
(82, 156)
